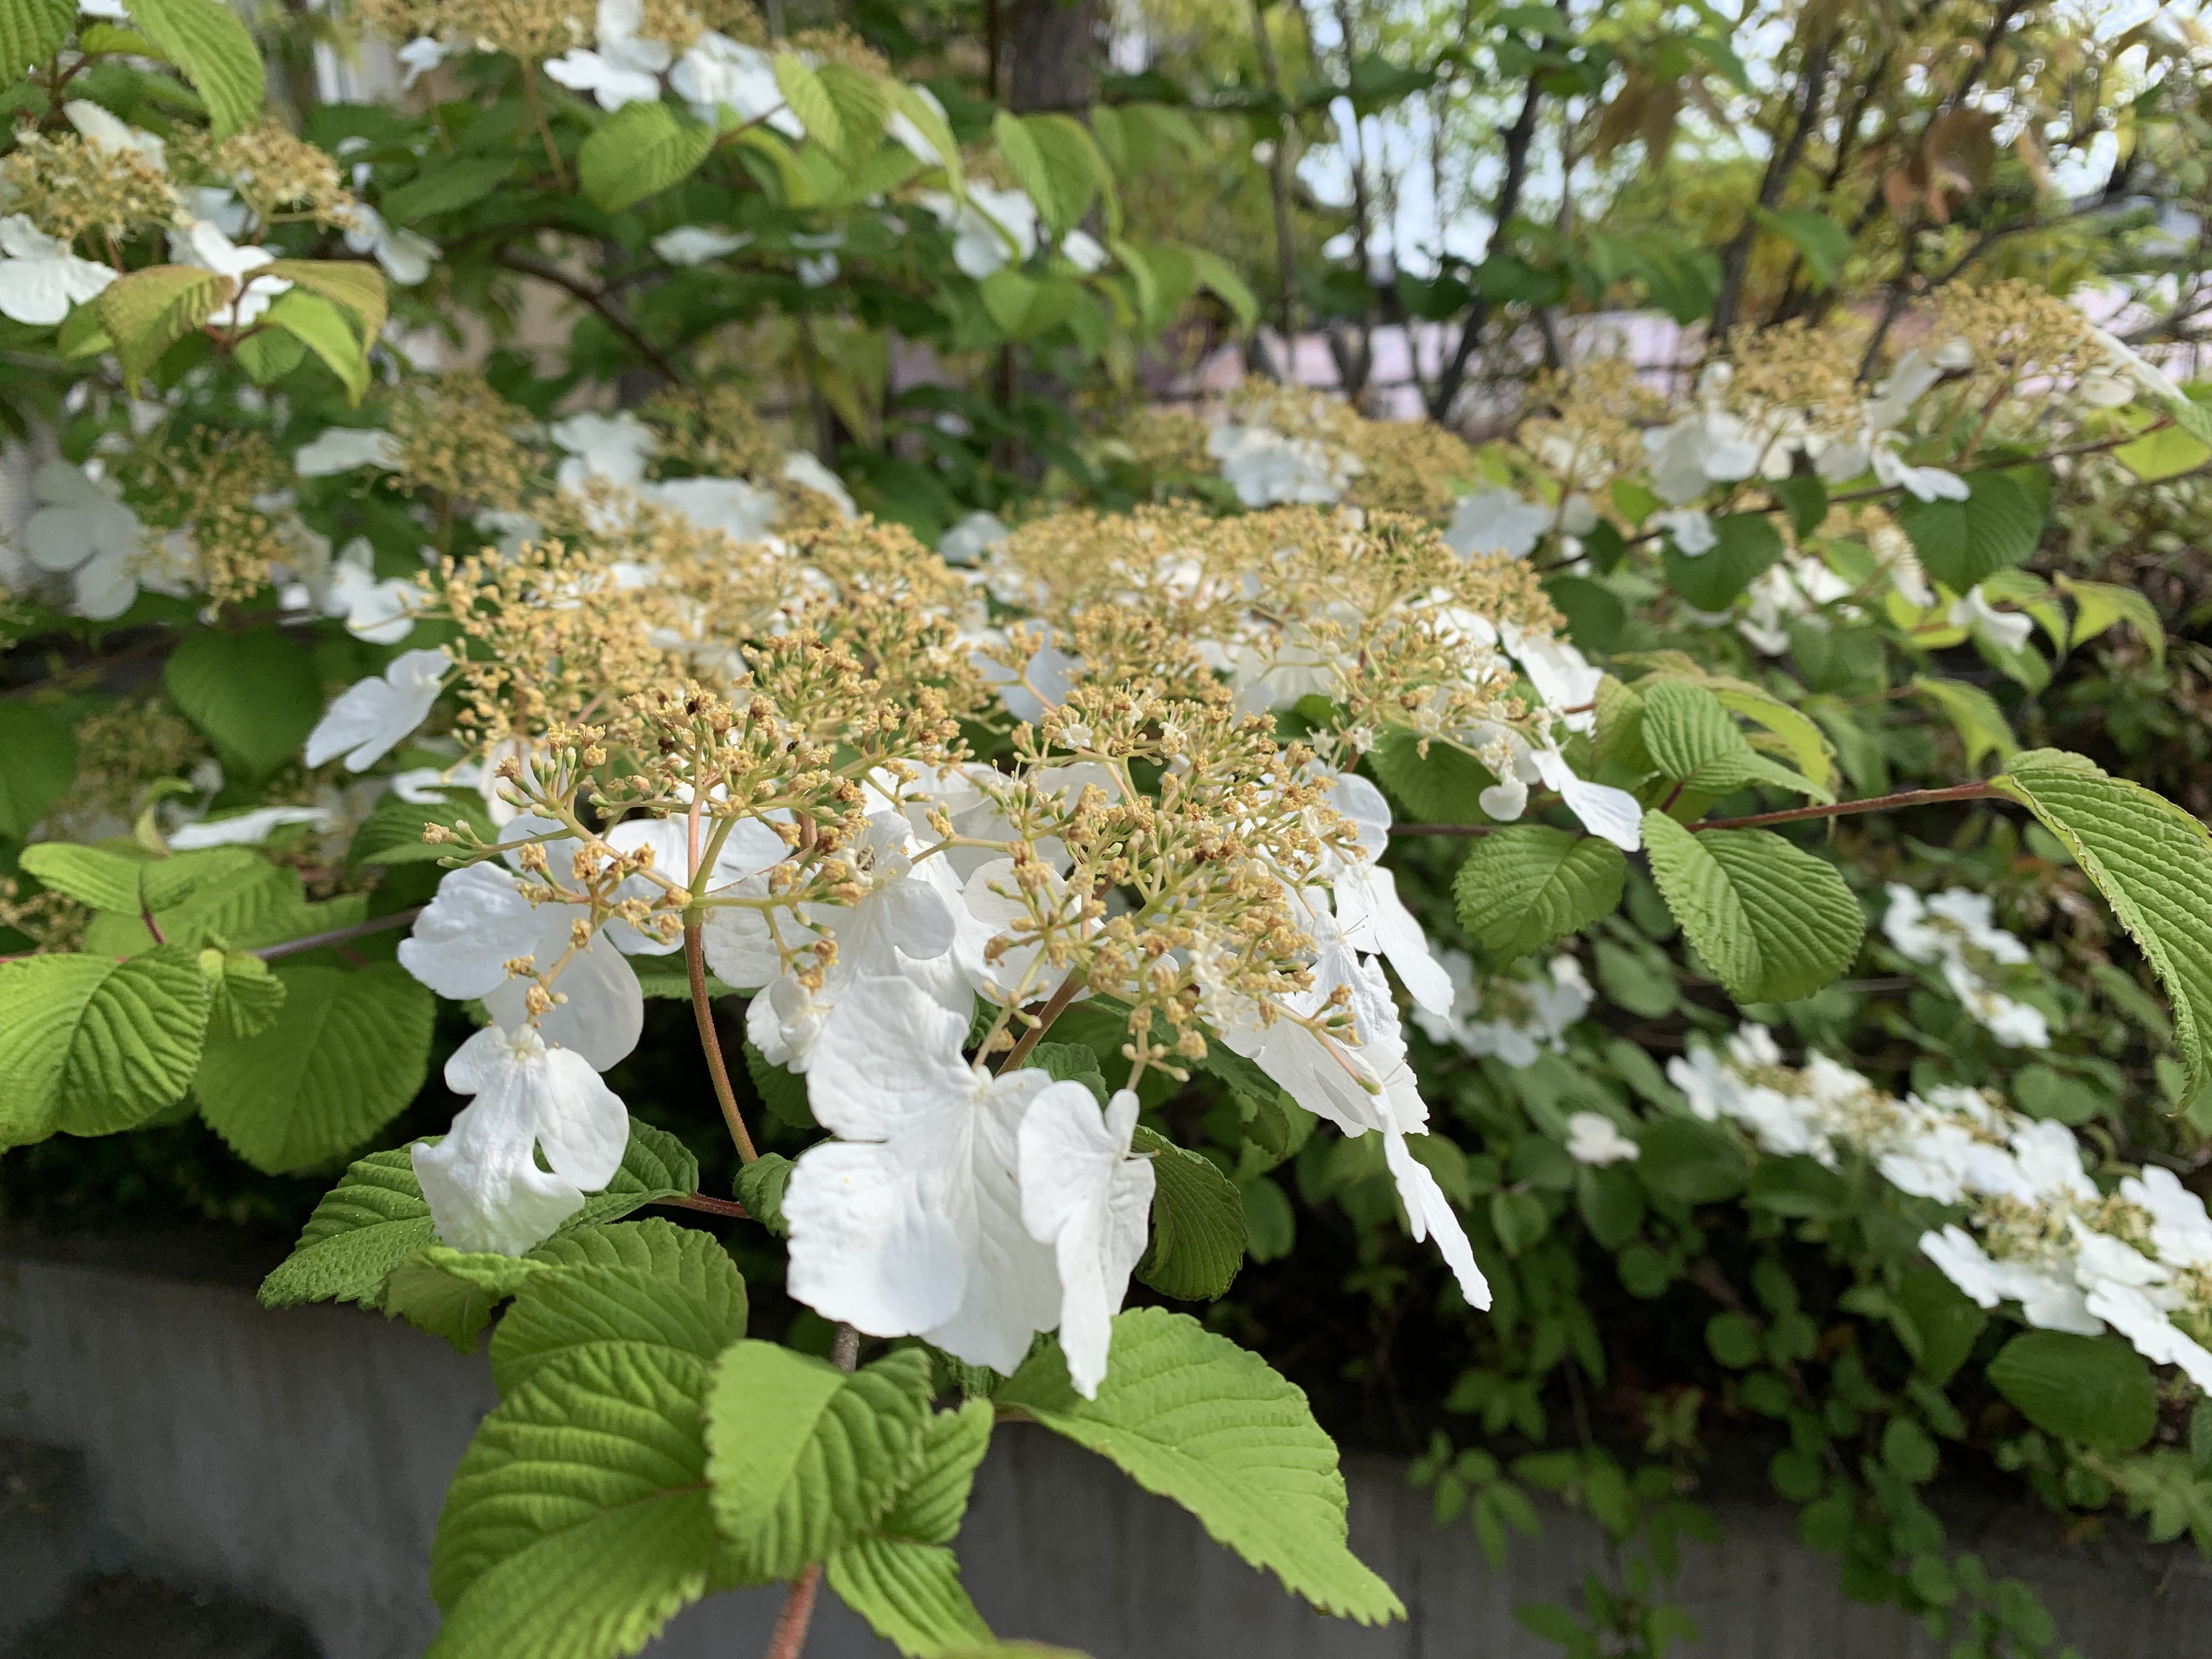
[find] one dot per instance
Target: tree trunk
(1053, 53)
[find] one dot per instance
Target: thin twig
(1790, 815)
(1056, 1006)
(340, 935)
(728, 1206)
(545, 271)
(702, 1011)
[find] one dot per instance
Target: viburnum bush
(1519, 811)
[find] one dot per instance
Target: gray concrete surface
(297, 1459)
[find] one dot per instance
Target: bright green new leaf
(346, 1052)
(90, 875)
(953, 1443)
(449, 183)
(89, 1046)
(1193, 1416)
(1960, 542)
(147, 311)
(1198, 1223)
(208, 41)
(392, 834)
(1073, 169)
(2095, 1389)
(2098, 605)
(643, 148)
(41, 755)
(578, 1523)
(1693, 738)
(255, 694)
(244, 998)
(929, 121)
(1017, 144)
(863, 103)
(649, 1282)
(2153, 863)
(322, 328)
(428, 1295)
(1527, 885)
(2166, 453)
(760, 1185)
(1714, 579)
(1218, 277)
(31, 32)
(804, 1458)
(1974, 714)
(910, 1594)
(1775, 922)
(806, 96)
(353, 286)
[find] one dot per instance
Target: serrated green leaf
(319, 325)
(1692, 737)
(1193, 1416)
(1072, 167)
(255, 694)
(91, 875)
(2098, 605)
(1198, 1223)
(910, 1594)
(783, 1092)
(206, 40)
(1973, 713)
(1018, 145)
(392, 834)
(147, 311)
(1959, 542)
(353, 286)
(806, 96)
(449, 183)
(1714, 579)
(244, 998)
(342, 1059)
(89, 1046)
(804, 1458)
(761, 1186)
(2153, 863)
(863, 102)
(953, 1443)
(31, 32)
(649, 1282)
(2095, 1389)
(643, 148)
(1526, 884)
(374, 1218)
(578, 1523)
(1775, 922)
(41, 763)
(445, 1305)
(1442, 787)
(1072, 1062)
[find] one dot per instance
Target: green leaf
(1527, 885)
(929, 121)
(953, 1443)
(344, 1055)
(1219, 277)
(1959, 542)
(910, 1594)
(244, 998)
(91, 875)
(1805, 497)
(268, 354)
(641, 150)
(1943, 1321)
(1017, 144)
(810, 100)
(392, 834)
(761, 1186)
(1025, 306)
(255, 694)
(1444, 786)
(31, 32)
(352, 285)
(450, 183)
(1693, 739)
(2165, 453)
(319, 325)
(147, 311)
(1974, 714)
(643, 1284)
(1775, 922)
(374, 1218)
(206, 40)
(1198, 1223)
(1826, 244)
(804, 1458)
(2095, 1389)
(428, 1295)
(1690, 1161)
(1073, 169)
(2153, 863)
(578, 1523)
(2098, 605)
(1714, 579)
(783, 1092)
(863, 104)
(41, 755)
(1193, 1416)
(89, 1046)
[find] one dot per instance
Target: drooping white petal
(1604, 810)
(374, 715)
(247, 829)
(886, 1073)
(342, 448)
(480, 921)
(1428, 1212)
(1086, 1197)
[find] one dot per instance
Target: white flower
(2181, 1233)
(1084, 251)
(694, 245)
(2138, 1318)
(1496, 521)
(1043, 683)
(974, 535)
(1086, 1197)
(105, 131)
(203, 243)
(910, 1222)
(82, 526)
(381, 612)
(990, 227)
(1563, 677)
(2008, 630)
(1694, 534)
(1266, 468)
(807, 471)
(750, 847)
(405, 256)
(1375, 920)
(741, 511)
(342, 448)
(1613, 814)
(247, 829)
(1926, 484)
(1429, 1214)
(39, 277)
(2046, 1302)
(718, 74)
(481, 1181)
(419, 56)
(625, 69)
(1531, 1012)
(614, 447)
(1594, 1137)
(373, 716)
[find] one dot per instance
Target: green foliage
(899, 1575)
(1193, 1416)
(33, 31)
(41, 757)
(1526, 884)
(205, 39)
(1749, 543)
(641, 150)
(2091, 1389)
(90, 1046)
(1960, 542)
(1198, 1223)
(641, 1284)
(255, 694)
(1775, 922)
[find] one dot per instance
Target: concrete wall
(298, 1458)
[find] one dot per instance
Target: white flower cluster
(2037, 1231)
(1267, 468)
(1955, 929)
(1524, 1012)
